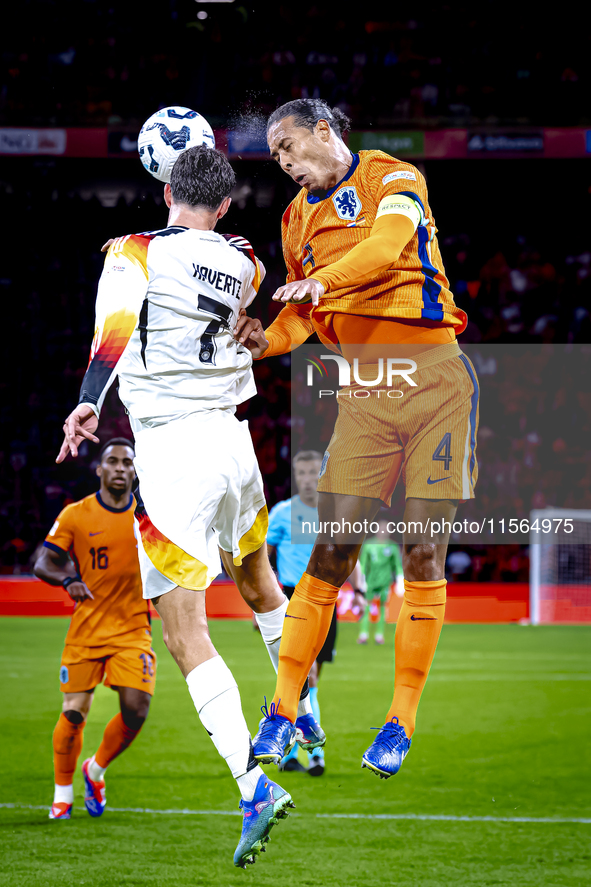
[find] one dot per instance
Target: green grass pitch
(503, 732)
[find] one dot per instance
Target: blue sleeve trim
(55, 548)
(413, 196)
(432, 307)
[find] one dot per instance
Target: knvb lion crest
(347, 203)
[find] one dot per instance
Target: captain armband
(400, 204)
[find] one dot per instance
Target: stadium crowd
(95, 62)
(91, 63)
(514, 291)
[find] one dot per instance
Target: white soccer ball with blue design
(168, 132)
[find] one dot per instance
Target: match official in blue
(290, 539)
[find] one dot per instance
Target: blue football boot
(385, 755)
(94, 792)
(270, 804)
(275, 738)
(309, 733)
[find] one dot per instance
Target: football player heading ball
(360, 245)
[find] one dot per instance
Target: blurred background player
(166, 304)
(91, 551)
(381, 565)
(291, 548)
(364, 272)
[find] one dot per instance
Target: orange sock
(67, 745)
(417, 632)
(306, 625)
(116, 738)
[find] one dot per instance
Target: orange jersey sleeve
(101, 542)
(61, 536)
(375, 254)
(290, 328)
(320, 231)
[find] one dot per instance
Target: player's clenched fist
(79, 426)
(250, 333)
(300, 291)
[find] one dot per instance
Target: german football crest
(347, 203)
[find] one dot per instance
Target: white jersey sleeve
(121, 293)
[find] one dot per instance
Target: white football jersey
(166, 305)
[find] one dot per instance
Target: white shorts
(201, 488)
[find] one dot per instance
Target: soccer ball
(168, 132)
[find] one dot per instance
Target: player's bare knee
(421, 562)
(75, 706)
(333, 563)
(135, 716)
(182, 640)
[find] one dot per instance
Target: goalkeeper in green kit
(381, 564)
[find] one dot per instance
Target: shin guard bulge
(417, 633)
(67, 745)
(307, 622)
(116, 738)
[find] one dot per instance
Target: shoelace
(394, 737)
(271, 713)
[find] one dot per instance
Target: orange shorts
(132, 665)
(427, 432)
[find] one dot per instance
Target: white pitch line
(431, 817)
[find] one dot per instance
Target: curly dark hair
(307, 112)
(201, 176)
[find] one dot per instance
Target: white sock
(247, 784)
(217, 700)
(271, 626)
(304, 706)
(95, 772)
(63, 794)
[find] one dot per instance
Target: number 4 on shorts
(443, 451)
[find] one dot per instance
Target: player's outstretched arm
(55, 568)
(80, 425)
(389, 235)
(118, 304)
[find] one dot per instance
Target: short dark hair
(201, 176)
(307, 112)
(306, 456)
(115, 442)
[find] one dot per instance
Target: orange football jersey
(319, 231)
(101, 542)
